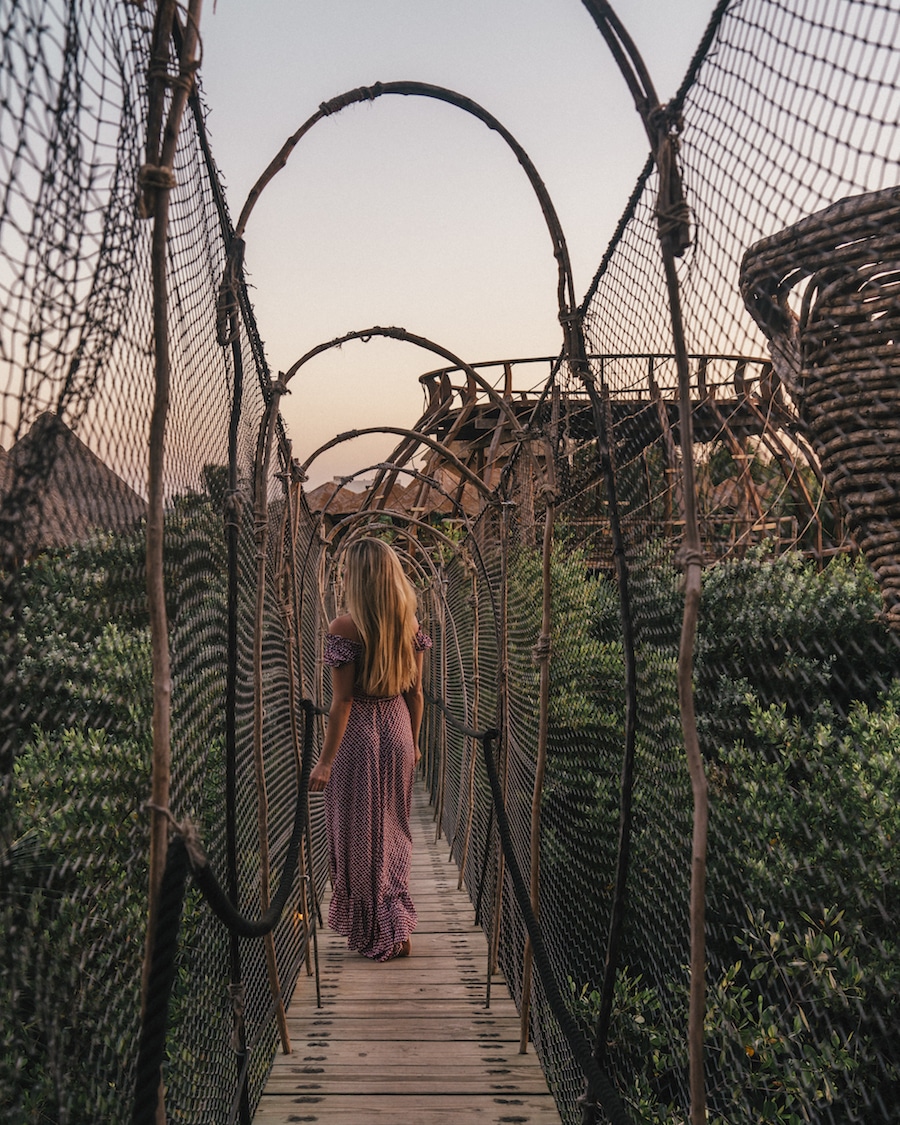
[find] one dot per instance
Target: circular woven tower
(826, 292)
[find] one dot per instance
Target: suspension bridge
(427, 1039)
(654, 858)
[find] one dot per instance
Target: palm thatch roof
(54, 491)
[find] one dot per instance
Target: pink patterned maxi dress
(367, 802)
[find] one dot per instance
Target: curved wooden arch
(565, 285)
(401, 334)
(389, 466)
(394, 333)
(472, 550)
(402, 431)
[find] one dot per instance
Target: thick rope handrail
(601, 1091)
(461, 728)
(180, 859)
(212, 891)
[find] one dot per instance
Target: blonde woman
(370, 752)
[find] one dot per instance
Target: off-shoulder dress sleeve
(341, 650)
(422, 641)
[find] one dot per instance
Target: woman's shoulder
(342, 643)
(345, 627)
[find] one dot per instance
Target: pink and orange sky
(409, 212)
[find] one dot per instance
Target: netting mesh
(788, 144)
(76, 394)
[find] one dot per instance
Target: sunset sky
(410, 212)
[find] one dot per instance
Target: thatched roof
(72, 490)
(414, 498)
(339, 499)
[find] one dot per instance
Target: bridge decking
(409, 1041)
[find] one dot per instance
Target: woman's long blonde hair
(382, 602)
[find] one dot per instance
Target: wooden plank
(421, 1109)
(418, 1028)
(403, 1009)
(411, 1053)
(452, 1083)
(411, 1040)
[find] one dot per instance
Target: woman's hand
(319, 777)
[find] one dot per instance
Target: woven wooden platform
(409, 1041)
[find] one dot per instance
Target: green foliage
(72, 974)
(767, 1057)
(806, 816)
(821, 804)
(774, 1026)
(790, 634)
(800, 720)
(73, 836)
(73, 839)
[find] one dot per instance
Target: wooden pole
(542, 657)
(157, 181)
(260, 521)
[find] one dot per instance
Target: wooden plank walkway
(409, 1041)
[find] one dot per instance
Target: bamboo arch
(574, 350)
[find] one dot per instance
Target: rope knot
(667, 120)
(189, 833)
(153, 178)
(233, 506)
(227, 299)
(370, 93)
(687, 556)
(156, 176)
(674, 218)
(184, 80)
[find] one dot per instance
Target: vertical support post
(157, 181)
(470, 772)
(541, 657)
(673, 220)
(692, 558)
(504, 727)
(260, 521)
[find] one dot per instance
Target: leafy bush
(798, 706)
(767, 1061)
(790, 634)
(73, 834)
(805, 821)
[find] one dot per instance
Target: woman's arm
(342, 682)
(415, 704)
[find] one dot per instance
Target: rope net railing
(77, 388)
(545, 510)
